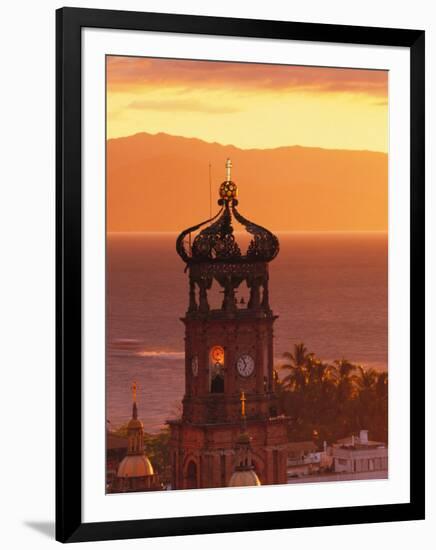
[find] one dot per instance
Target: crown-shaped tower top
(214, 240)
(230, 249)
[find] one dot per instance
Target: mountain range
(161, 183)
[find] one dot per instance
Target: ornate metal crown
(214, 241)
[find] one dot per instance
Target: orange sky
(252, 107)
(248, 105)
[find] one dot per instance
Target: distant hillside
(161, 183)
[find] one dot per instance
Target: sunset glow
(314, 138)
(246, 274)
(248, 105)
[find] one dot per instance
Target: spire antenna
(210, 189)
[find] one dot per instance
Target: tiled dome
(244, 478)
(135, 466)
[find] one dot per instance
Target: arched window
(191, 475)
(216, 369)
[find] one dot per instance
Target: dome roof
(214, 241)
(135, 466)
(244, 478)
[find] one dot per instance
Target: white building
(304, 459)
(357, 454)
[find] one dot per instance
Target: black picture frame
(69, 525)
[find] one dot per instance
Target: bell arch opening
(191, 481)
(216, 369)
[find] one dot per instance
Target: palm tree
(381, 406)
(299, 366)
(344, 414)
(321, 373)
(344, 378)
(333, 399)
(366, 399)
(366, 380)
(381, 386)
(320, 392)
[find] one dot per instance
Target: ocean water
(329, 291)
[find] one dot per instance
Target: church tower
(135, 472)
(244, 474)
(228, 350)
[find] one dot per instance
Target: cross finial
(243, 400)
(228, 169)
(134, 392)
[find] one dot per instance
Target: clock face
(194, 365)
(245, 365)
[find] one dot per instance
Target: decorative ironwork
(228, 190)
(212, 252)
(264, 246)
(216, 242)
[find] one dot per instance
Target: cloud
(180, 105)
(151, 72)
